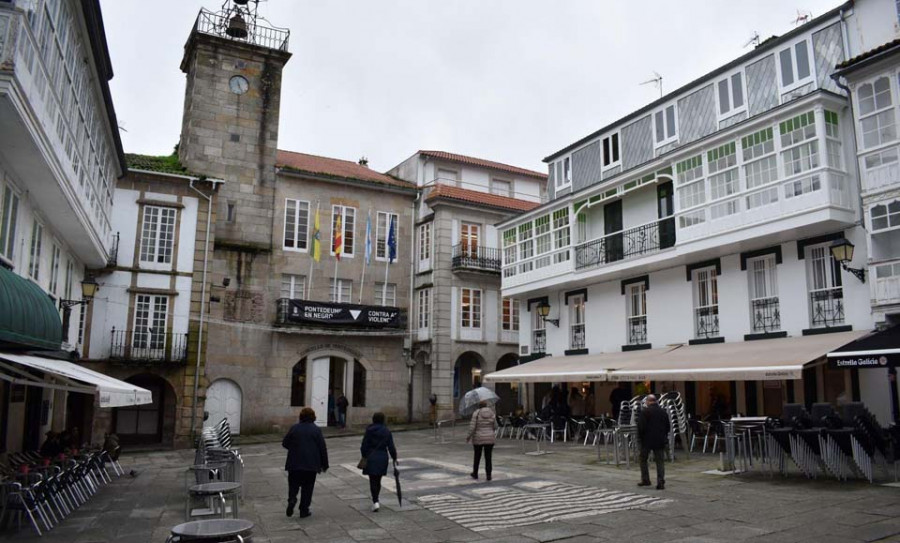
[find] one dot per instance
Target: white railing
(885, 282)
(811, 190)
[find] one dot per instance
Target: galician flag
(338, 238)
(368, 239)
(316, 241)
(392, 241)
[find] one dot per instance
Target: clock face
(238, 84)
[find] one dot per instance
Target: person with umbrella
(482, 429)
(377, 443)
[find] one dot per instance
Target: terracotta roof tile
(483, 198)
(868, 54)
(159, 164)
(334, 167)
(484, 163)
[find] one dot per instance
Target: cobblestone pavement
(563, 496)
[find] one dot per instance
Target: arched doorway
(298, 384)
(321, 378)
(466, 375)
(147, 424)
(508, 392)
(223, 400)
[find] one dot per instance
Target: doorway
(223, 400)
(508, 392)
(612, 224)
(328, 377)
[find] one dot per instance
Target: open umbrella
(472, 398)
(397, 482)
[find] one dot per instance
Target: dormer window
(730, 95)
(563, 177)
(665, 125)
(611, 151)
(796, 67)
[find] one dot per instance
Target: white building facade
(707, 217)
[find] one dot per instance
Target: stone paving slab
(695, 507)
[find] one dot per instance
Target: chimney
(363, 161)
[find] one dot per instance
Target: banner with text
(306, 312)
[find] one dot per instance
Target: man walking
(307, 456)
(342, 404)
(653, 432)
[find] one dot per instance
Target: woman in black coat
(376, 445)
(307, 456)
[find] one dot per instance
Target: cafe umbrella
(472, 398)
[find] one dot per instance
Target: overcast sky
(506, 80)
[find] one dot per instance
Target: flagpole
(387, 257)
(367, 245)
(338, 249)
(312, 259)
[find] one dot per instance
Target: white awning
(759, 360)
(113, 392)
(584, 367)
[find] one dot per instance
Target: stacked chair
(215, 447)
(46, 495)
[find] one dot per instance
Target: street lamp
(842, 251)
(410, 364)
(89, 288)
(543, 310)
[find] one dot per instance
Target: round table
(212, 530)
(215, 494)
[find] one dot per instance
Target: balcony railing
(347, 317)
(827, 307)
(631, 243)
(885, 279)
(146, 346)
(469, 257)
(637, 330)
(214, 24)
(576, 336)
(766, 315)
(539, 341)
(706, 321)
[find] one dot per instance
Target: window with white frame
(70, 273)
(832, 141)
(502, 187)
(55, 255)
(8, 216)
(826, 294)
(510, 252)
(296, 225)
(576, 322)
(878, 163)
(760, 163)
(765, 311)
(470, 308)
(611, 151)
(293, 286)
(665, 125)
(636, 313)
(526, 246)
(563, 173)
(724, 180)
(691, 184)
(509, 315)
(425, 242)
(877, 119)
(150, 316)
(692, 195)
(798, 140)
(706, 302)
(885, 216)
(447, 176)
(347, 217)
(34, 259)
(158, 234)
(561, 235)
(386, 295)
(538, 332)
(469, 238)
(730, 95)
(383, 222)
(341, 291)
(795, 63)
(423, 308)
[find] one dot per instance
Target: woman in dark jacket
(306, 457)
(376, 445)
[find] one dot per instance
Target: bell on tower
(239, 20)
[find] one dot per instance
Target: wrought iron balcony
(766, 315)
(576, 341)
(477, 258)
(827, 307)
(637, 330)
(215, 24)
(148, 347)
(345, 317)
(538, 342)
(634, 242)
(706, 321)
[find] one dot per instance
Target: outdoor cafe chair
(18, 500)
(699, 431)
(559, 425)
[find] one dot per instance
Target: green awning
(28, 316)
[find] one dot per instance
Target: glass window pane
(737, 91)
(615, 147)
(787, 67)
(724, 103)
(866, 99)
(660, 129)
(882, 93)
(802, 60)
(670, 121)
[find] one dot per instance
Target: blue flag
(368, 239)
(392, 242)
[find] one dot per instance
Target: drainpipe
(202, 307)
(845, 88)
(412, 301)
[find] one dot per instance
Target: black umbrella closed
(397, 482)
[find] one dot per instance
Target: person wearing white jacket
(481, 434)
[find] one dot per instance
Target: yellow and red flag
(338, 238)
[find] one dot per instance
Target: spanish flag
(338, 238)
(316, 243)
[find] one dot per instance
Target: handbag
(364, 461)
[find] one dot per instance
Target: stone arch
(224, 399)
(466, 374)
(152, 423)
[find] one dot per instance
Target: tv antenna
(656, 81)
(754, 40)
(803, 17)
